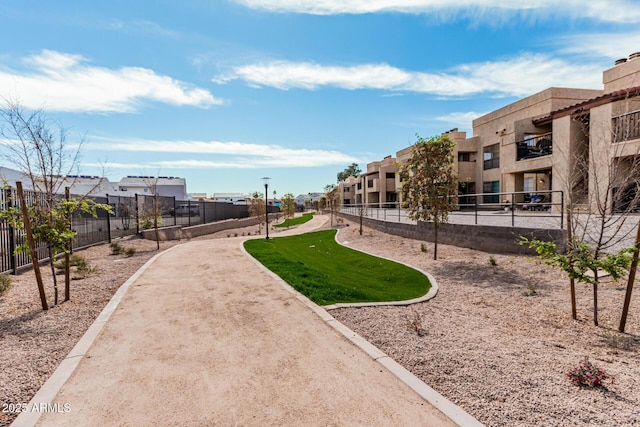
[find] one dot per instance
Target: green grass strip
(296, 221)
(328, 273)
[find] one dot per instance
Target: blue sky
(224, 92)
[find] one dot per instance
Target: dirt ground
(497, 340)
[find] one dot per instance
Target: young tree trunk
(631, 280)
(53, 273)
(435, 235)
(32, 246)
(572, 282)
(155, 220)
(595, 297)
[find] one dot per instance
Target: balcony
(626, 127)
(534, 147)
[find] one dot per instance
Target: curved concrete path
(204, 336)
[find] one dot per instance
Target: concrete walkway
(204, 336)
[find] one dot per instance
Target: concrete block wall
(479, 237)
(177, 232)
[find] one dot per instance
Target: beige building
(535, 145)
(377, 186)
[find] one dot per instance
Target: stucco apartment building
(534, 145)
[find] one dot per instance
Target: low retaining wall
(214, 227)
(177, 232)
(480, 237)
(173, 232)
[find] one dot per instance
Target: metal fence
(516, 209)
(130, 215)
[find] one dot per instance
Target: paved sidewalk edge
(444, 405)
(63, 372)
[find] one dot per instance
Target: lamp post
(266, 197)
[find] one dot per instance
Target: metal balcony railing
(626, 126)
(538, 146)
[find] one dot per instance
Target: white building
(236, 198)
(167, 186)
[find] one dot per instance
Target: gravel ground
(498, 340)
(34, 342)
(486, 346)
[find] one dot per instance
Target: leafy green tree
(582, 263)
(351, 170)
(430, 183)
(257, 208)
(332, 196)
(289, 206)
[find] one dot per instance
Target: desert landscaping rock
(502, 356)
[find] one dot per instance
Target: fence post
(561, 210)
(476, 208)
(513, 210)
(67, 266)
(12, 235)
(137, 216)
(175, 217)
(109, 221)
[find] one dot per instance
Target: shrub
(75, 260)
(587, 375)
(532, 288)
(116, 248)
(492, 261)
(5, 283)
(423, 247)
(130, 251)
(84, 269)
(415, 324)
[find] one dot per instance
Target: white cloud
(66, 82)
(610, 45)
(229, 154)
(624, 11)
(463, 120)
(520, 76)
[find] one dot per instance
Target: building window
(391, 175)
(491, 155)
(464, 157)
(491, 187)
(370, 183)
(529, 185)
(359, 186)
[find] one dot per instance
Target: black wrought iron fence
(130, 215)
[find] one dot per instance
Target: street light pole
(266, 198)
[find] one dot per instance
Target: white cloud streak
(233, 155)
(65, 82)
(463, 120)
(610, 45)
(622, 11)
(520, 76)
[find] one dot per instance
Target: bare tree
(152, 215)
(332, 195)
(257, 208)
(37, 146)
(603, 182)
